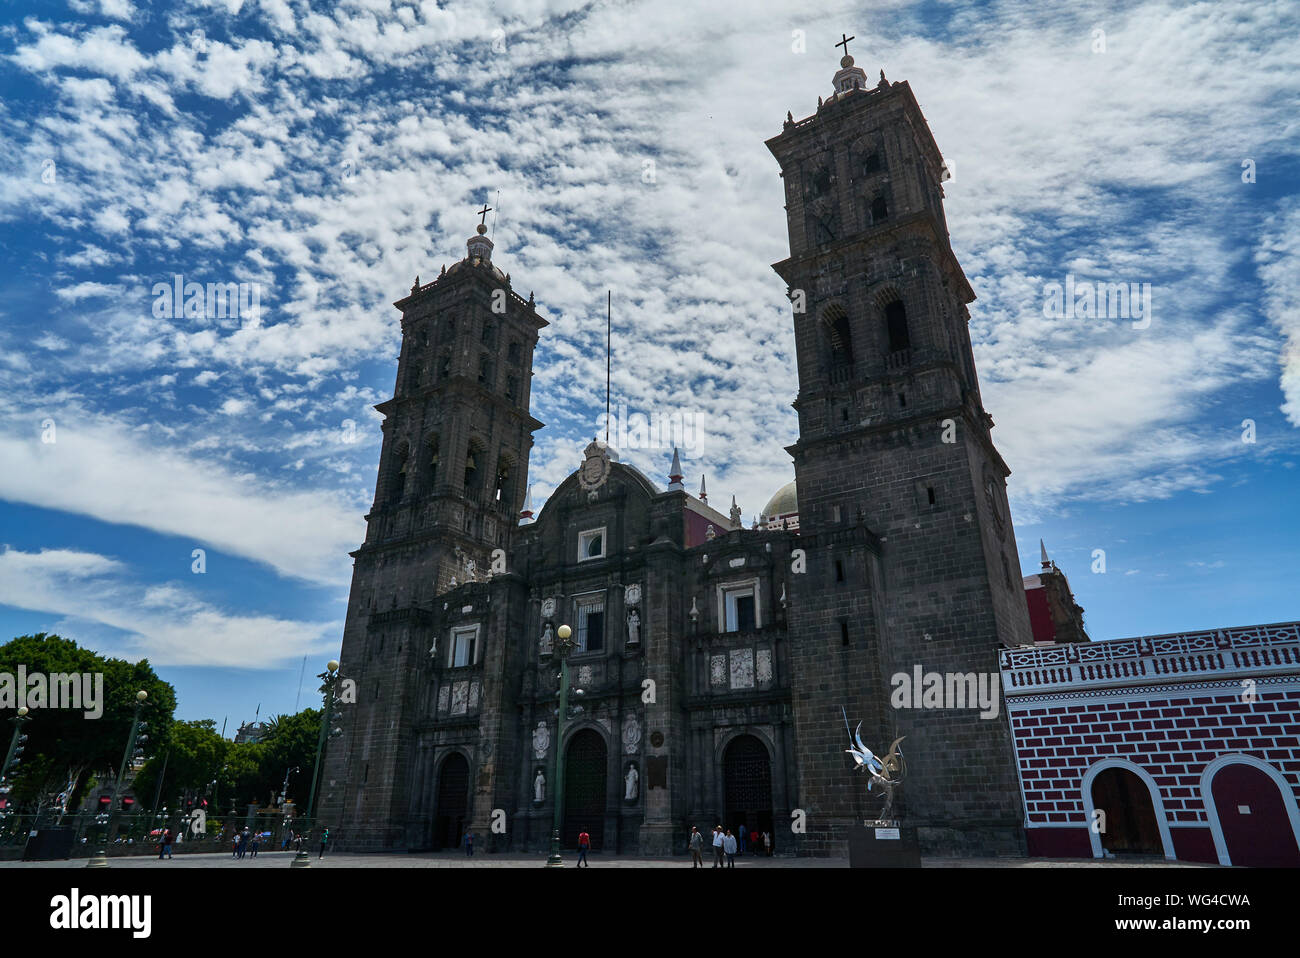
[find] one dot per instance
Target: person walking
(696, 845)
(252, 847)
(584, 846)
(165, 851)
(717, 846)
(767, 843)
(741, 834)
(729, 846)
(243, 843)
(234, 846)
(469, 844)
(324, 840)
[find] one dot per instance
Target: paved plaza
(458, 860)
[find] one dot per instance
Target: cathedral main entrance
(747, 783)
(586, 767)
(452, 809)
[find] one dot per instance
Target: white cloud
(166, 623)
(101, 469)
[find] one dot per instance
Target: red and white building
(1184, 745)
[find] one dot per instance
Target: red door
(1255, 824)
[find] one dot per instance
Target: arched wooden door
(1256, 828)
(747, 785)
(452, 810)
(1130, 826)
(586, 768)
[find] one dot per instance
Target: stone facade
(714, 660)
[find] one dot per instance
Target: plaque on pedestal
(883, 845)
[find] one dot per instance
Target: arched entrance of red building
(747, 785)
(452, 811)
(1129, 826)
(586, 768)
(1253, 815)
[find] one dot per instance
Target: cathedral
(715, 665)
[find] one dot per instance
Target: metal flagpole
(609, 305)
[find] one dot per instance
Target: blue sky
(329, 153)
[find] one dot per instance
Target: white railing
(1214, 653)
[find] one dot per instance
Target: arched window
(871, 163)
(896, 325)
(397, 476)
(838, 336)
(879, 210)
(502, 491)
(819, 183)
(472, 457)
(445, 368)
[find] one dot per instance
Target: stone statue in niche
(539, 787)
(547, 641)
(631, 784)
(634, 627)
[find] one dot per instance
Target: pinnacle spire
(675, 472)
(704, 495)
(1047, 563)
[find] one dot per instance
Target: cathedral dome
(785, 502)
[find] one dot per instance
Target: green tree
(64, 746)
(292, 743)
(188, 761)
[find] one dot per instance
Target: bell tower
(457, 433)
(452, 481)
(911, 556)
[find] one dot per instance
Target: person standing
(741, 834)
(243, 843)
(166, 850)
(696, 845)
(717, 846)
(252, 847)
(324, 840)
(729, 846)
(584, 846)
(469, 844)
(767, 843)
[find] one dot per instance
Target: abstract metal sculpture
(886, 773)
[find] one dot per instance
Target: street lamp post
(563, 647)
(100, 860)
(15, 743)
(284, 789)
(330, 678)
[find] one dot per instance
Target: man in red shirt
(584, 845)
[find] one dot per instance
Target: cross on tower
(483, 213)
(844, 42)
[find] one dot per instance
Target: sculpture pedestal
(883, 845)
